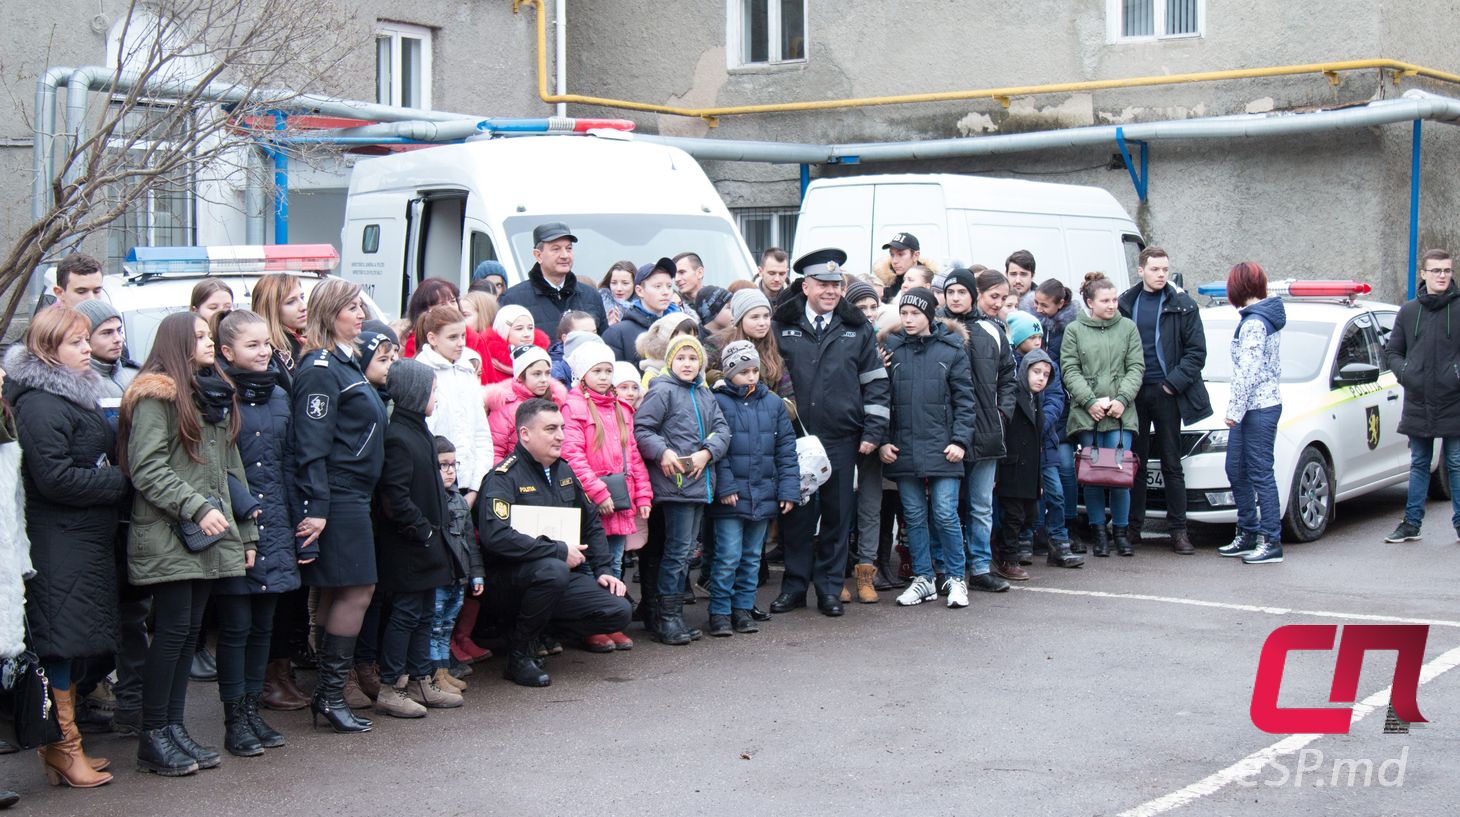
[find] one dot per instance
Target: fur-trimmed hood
(150, 386)
(882, 268)
(25, 372)
(956, 334)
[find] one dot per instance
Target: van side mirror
(1356, 374)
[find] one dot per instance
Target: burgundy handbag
(1105, 467)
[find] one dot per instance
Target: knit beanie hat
(508, 315)
(576, 340)
(410, 384)
(737, 356)
(745, 300)
(1022, 326)
(97, 311)
(370, 342)
(380, 328)
(679, 342)
(961, 277)
(586, 356)
(525, 356)
(710, 301)
(939, 282)
(624, 371)
(922, 298)
(859, 291)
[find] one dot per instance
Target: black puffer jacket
(1181, 347)
(993, 382)
(547, 305)
(264, 444)
(932, 400)
(840, 382)
(1424, 352)
(622, 336)
(73, 497)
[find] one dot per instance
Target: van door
(434, 236)
(914, 208)
(479, 247)
(992, 236)
(838, 217)
(373, 248)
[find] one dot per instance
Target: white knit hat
(588, 355)
(624, 371)
(508, 315)
(524, 356)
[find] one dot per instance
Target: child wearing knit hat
(531, 377)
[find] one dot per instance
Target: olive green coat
(1102, 359)
(170, 486)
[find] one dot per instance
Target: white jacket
(460, 415)
(15, 565)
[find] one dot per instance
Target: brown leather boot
(280, 693)
(65, 761)
(1181, 543)
(355, 698)
(447, 681)
(368, 676)
(865, 574)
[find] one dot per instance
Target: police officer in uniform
(339, 433)
(842, 397)
(534, 581)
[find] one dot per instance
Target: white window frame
(774, 216)
(735, 37)
(1115, 8)
(395, 32)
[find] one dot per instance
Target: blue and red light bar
(1297, 289)
(553, 125)
(239, 258)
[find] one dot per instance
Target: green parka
(170, 486)
(1102, 358)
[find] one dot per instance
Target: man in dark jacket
(535, 581)
(1424, 352)
(551, 287)
(1173, 393)
(841, 397)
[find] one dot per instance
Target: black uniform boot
(335, 656)
(524, 669)
(671, 629)
(238, 738)
(1123, 544)
(1099, 541)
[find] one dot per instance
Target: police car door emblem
(1371, 417)
(318, 407)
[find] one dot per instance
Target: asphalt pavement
(1120, 688)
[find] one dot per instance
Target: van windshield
(640, 238)
(1304, 349)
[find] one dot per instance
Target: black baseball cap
(663, 265)
(903, 241)
(823, 265)
(552, 231)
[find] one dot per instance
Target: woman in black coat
(411, 549)
(73, 495)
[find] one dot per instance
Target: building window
(766, 227)
(767, 32)
(165, 213)
(1155, 19)
(403, 65)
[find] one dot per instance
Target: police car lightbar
(555, 124)
(226, 259)
(1292, 288)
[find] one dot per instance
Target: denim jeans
(681, 528)
(1095, 496)
(1052, 504)
(1249, 469)
(444, 611)
(735, 570)
(942, 494)
(1067, 481)
(616, 543)
(405, 646)
(1421, 452)
(977, 507)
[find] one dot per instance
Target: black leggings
(245, 626)
(177, 610)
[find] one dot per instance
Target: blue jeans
(1095, 495)
(443, 620)
(1067, 481)
(977, 504)
(681, 528)
(616, 544)
(735, 569)
(1249, 469)
(1052, 504)
(1421, 452)
(942, 492)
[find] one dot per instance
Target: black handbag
(192, 535)
(36, 721)
(618, 484)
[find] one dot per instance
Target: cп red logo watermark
(1408, 640)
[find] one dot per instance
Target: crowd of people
(388, 503)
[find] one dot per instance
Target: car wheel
(1439, 487)
(1310, 504)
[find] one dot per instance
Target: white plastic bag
(815, 465)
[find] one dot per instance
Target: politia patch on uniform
(317, 406)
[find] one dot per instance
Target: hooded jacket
(992, 363)
(1102, 358)
(840, 382)
(1181, 346)
(460, 416)
(1257, 365)
(410, 510)
(1053, 407)
(73, 494)
(932, 400)
(502, 400)
(590, 463)
(1019, 474)
(760, 468)
(547, 303)
(682, 416)
(1424, 352)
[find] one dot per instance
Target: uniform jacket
(1181, 346)
(502, 400)
(1102, 359)
(73, 494)
(589, 463)
(1019, 471)
(170, 486)
(1424, 352)
(1257, 366)
(760, 467)
(339, 432)
(410, 513)
(521, 480)
(461, 538)
(547, 304)
(684, 417)
(932, 400)
(461, 416)
(992, 363)
(840, 382)
(265, 445)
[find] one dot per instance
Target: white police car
(1338, 437)
(158, 281)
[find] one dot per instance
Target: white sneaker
(957, 592)
(919, 591)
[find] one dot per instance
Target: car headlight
(1213, 442)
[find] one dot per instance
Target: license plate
(1154, 477)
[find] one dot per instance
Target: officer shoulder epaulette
(506, 464)
(322, 358)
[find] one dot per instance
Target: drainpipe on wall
(560, 51)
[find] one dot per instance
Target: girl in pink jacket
(531, 377)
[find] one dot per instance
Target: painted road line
(1245, 608)
(1254, 763)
